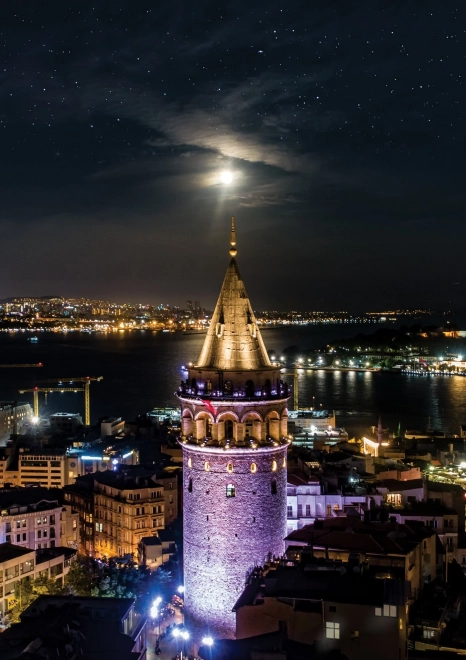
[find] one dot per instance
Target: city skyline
(333, 135)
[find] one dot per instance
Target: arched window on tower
(273, 487)
(231, 490)
(190, 486)
(229, 429)
(268, 386)
(208, 428)
(249, 388)
(228, 387)
(230, 467)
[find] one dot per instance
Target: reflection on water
(142, 370)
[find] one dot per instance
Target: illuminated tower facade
(234, 438)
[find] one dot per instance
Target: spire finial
(233, 250)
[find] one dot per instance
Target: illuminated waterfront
(142, 370)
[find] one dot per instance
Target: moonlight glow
(226, 177)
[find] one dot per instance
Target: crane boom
(47, 390)
(19, 366)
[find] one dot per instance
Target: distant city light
(35, 420)
(181, 589)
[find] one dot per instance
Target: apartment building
(34, 518)
(18, 564)
(306, 501)
(355, 615)
(406, 551)
(126, 509)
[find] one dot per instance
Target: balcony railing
(235, 395)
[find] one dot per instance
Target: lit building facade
(32, 518)
(234, 438)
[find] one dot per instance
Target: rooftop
(9, 551)
(92, 627)
(233, 341)
(335, 585)
(353, 535)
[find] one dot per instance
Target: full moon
(226, 177)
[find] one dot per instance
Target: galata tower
(234, 439)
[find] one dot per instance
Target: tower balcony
(235, 395)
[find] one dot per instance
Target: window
(39, 534)
(52, 520)
(308, 510)
(332, 630)
(253, 467)
(190, 462)
(170, 486)
(18, 538)
(428, 634)
(389, 610)
(274, 466)
(289, 511)
(230, 467)
(23, 523)
(231, 490)
(300, 510)
(284, 462)
(207, 466)
(190, 486)
(378, 611)
(329, 509)
(24, 536)
(273, 487)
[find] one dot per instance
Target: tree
(81, 577)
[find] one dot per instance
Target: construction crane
(47, 390)
(87, 380)
(19, 366)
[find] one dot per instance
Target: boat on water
(33, 340)
(195, 332)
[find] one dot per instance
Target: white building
(32, 518)
(306, 502)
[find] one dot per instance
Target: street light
(154, 611)
(208, 641)
(181, 589)
(184, 634)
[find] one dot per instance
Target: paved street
(169, 646)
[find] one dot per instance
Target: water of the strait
(142, 370)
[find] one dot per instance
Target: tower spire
(233, 250)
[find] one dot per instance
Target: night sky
(342, 123)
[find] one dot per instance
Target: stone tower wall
(225, 537)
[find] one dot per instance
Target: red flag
(209, 406)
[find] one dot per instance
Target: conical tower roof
(233, 341)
